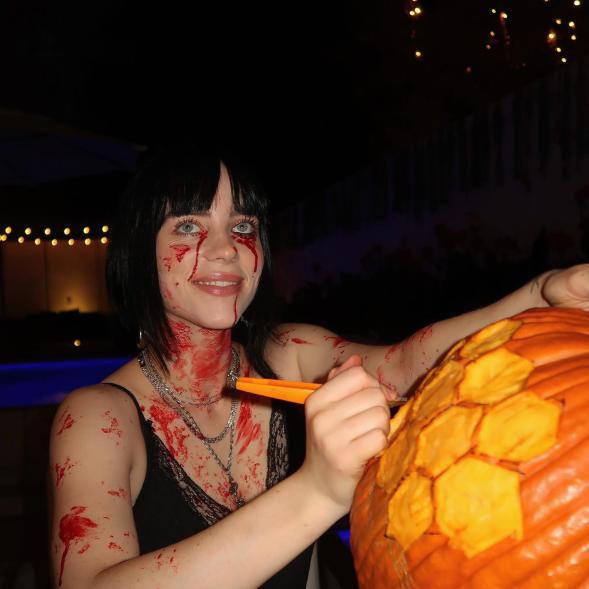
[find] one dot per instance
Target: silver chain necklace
(171, 398)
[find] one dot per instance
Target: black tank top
(171, 506)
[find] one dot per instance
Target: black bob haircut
(178, 181)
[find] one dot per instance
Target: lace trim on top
(201, 502)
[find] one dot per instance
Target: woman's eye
(245, 228)
(187, 227)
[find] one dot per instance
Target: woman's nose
(219, 247)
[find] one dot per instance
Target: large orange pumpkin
(485, 481)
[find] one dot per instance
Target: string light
(47, 231)
(573, 37)
(77, 343)
(37, 241)
(558, 50)
(3, 237)
(558, 21)
(572, 24)
(28, 231)
(105, 229)
(418, 54)
(8, 230)
(70, 242)
(67, 231)
(563, 59)
(87, 241)
(21, 239)
(54, 242)
(86, 230)
(577, 2)
(104, 240)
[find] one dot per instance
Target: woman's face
(209, 264)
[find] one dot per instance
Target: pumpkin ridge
(573, 580)
(501, 562)
(560, 367)
(537, 504)
(541, 349)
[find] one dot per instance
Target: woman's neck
(199, 361)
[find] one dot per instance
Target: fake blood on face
(201, 237)
(180, 251)
(250, 243)
(72, 528)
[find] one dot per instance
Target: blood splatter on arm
(65, 422)
(62, 469)
(74, 529)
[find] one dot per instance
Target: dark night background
(308, 93)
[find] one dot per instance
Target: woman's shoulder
(294, 345)
(95, 411)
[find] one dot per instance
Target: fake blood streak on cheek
(250, 243)
(180, 251)
(72, 528)
(201, 237)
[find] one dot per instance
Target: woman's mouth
(219, 285)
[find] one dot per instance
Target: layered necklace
(172, 398)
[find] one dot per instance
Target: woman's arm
(93, 538)
(307, 352)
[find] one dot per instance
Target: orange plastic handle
(284, 390)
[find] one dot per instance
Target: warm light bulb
(67, 231)
(487, 46)
(37, 241)
(492, 33)
(105, 229)
(551, 36)
(8, 230)
(3, 237)
(503, 15)
(47, 231)
(70, 242)
(417, 10)
(87, 241)
(468, 69)
(104, 240)
(77, 343)
(563, 59)
(21, 239)
(573, 37)
(412, 13)
(493, 11)
(558, 50)
(418, 54)
(28, 230)
(558, 21)
(86, 230)
(54, 242)
(572, 24)
(577, 2)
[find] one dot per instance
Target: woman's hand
(567, 288)
(347, 424)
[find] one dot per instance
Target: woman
(144, 463)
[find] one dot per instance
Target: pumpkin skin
(501, 422)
